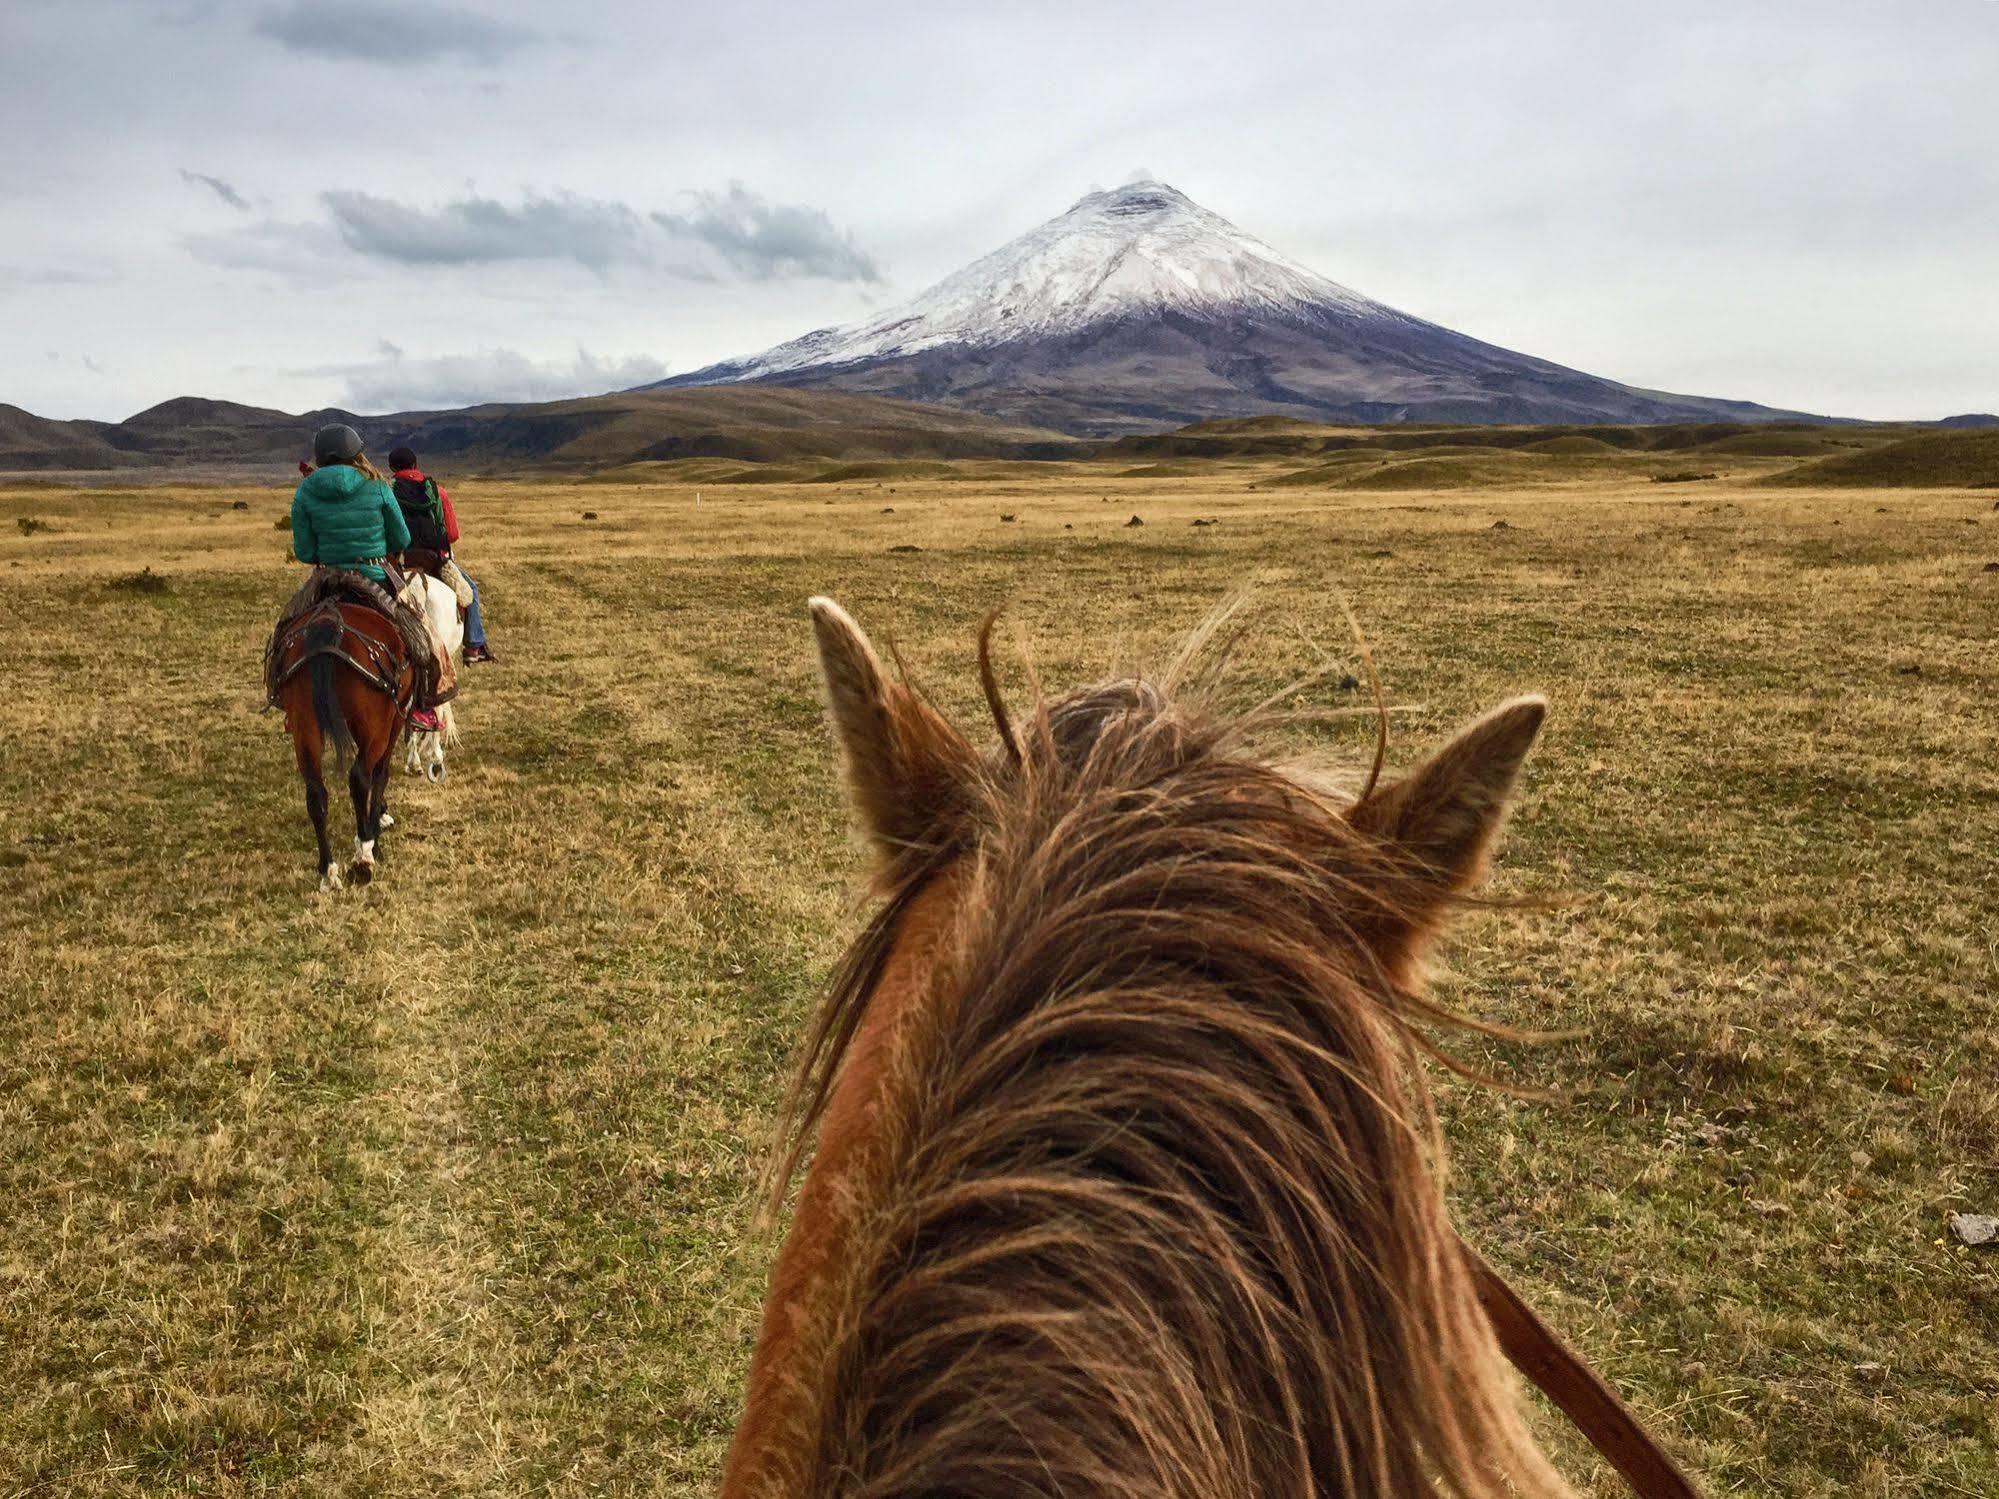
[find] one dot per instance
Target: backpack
(417, 499)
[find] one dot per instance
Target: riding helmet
(402, 457)
(338, 443)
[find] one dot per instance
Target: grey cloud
(217, 186)
(404, 31)
(736, 230)
(13, 276)
(294, 250)
(593, 232)
(765, 240)
(395, 382)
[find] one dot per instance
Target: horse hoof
(360, 874)
(434, 771)
(388, 821)
(329, 881)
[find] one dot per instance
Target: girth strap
(1578, 1390)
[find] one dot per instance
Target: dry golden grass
(442, 1186)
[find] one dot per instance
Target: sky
(394, 204)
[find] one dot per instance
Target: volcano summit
(1139, 309)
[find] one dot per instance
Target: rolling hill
(755, 425)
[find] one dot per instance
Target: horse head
(1127, 1178)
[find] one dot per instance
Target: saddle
(318, 599)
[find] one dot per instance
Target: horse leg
(315, 806)
(378, 807)
(361, 788)
(433, 749)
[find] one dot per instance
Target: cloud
(593, 232)
(734, 231)
(396, 382)
(299, 251)
(766, 241)
(406, 31)
(13, 277)
(217, 186)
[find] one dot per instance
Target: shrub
(145, 580)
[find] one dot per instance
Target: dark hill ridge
(35, 442)
(780, 432)
(1956, 459)
(1283, 437)
(759, 425)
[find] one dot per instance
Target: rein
(1582, 1394)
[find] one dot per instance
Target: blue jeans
(475, 627)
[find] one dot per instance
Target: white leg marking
(329, 880)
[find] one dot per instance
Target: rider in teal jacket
(341, 517)
(345, 515)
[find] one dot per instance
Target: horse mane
(1160, 1191)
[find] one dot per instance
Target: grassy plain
(441, 1186)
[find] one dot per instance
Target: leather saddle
(317, 602)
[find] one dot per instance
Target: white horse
(426, 749)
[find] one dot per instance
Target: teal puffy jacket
(340, 516)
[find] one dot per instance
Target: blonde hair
(361, 462)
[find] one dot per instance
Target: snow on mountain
(1138, 309)
(1141, 248)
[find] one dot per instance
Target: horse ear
(906, 767)
(1445, 816)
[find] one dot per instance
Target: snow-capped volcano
(1142, 248)
(1139, 308)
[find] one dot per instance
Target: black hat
(338, 443)
(403, 457)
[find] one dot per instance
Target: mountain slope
(1138, 309)
(757, 424)
(28, 441)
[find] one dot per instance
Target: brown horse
(345, 678)
(1127, 1178)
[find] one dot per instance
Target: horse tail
(326, 709)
